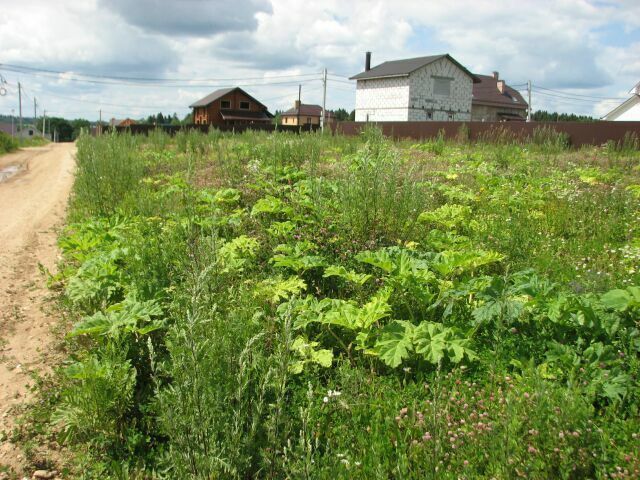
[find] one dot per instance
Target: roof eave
(488, 103)
(623, 107)
(396, 75)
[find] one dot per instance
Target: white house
(424, 88)
(629, 110)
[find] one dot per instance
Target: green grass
(283, 306)
(7, 143)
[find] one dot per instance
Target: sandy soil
(33, 200)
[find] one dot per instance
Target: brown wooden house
(230, 106)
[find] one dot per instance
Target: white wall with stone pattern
(422, 99)
(382, 99)
(412, 98)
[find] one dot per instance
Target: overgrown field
(282, 306)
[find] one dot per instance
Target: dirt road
(34, 188)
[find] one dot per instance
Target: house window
(309, 120)
(244, 105)
(225, 104)
(450, 116)
(442, 86)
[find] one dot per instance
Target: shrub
(7, 143)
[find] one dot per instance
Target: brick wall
(382, 99)
(423, 100)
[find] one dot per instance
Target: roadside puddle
(8, 172)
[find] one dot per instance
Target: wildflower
(325, 399)
(526, 395)
(532, 449)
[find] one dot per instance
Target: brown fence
(593, 133)
(144, 129)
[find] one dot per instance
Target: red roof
(305, 111)
(486, 93)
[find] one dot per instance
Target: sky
(582, 56)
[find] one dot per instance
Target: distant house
(230, 106)
(8, 128)
(437, 87)
(28, 131)
(495, 101)
(127, 122)
(305, 114)
(629, 110)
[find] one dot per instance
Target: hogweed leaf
(349, 275)
(395, 343)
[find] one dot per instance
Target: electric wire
(146, 80)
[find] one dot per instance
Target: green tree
(341, 115)
(79, 124)
(61, 128)
(544, 116)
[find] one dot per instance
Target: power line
(339, 75)
(341, 81)
(161, 85)
(578, 94)
(79, 100)
(574, 99)
(146, 80)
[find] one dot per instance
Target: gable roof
(486, 93)
(402, 68)
(212, 97)
(622, 108)
(305, 109)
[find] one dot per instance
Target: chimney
(495, 76)
(501, 86)
(296, 104)
(367, 62)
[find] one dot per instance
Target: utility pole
(529, 100)
(13, 114)
(324, 100)
(35, 115)
(299, 104)
(20, 103)
(100, 124)
(44, 124)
